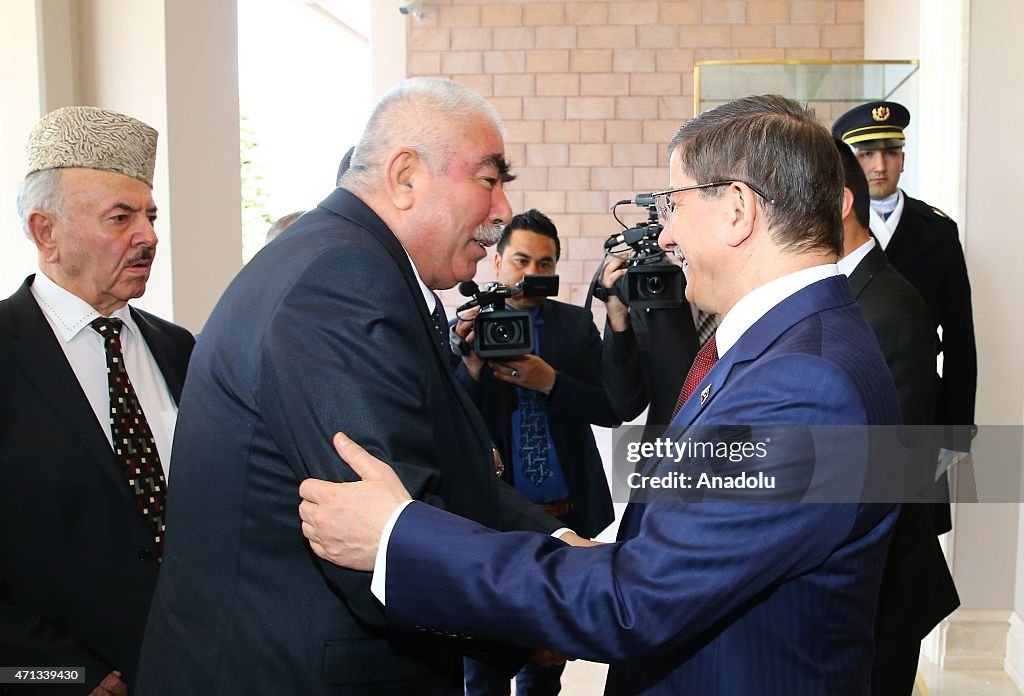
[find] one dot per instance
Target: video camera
(650, 280)
(500, 332)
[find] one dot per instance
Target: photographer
(542, 404)
(647, 350)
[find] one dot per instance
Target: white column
(20, 108)
(173, 64)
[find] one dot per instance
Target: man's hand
(618, 313)
(526, 371)
(574, 539)
(548, 658)
(110, 686)
(464, 329)
(344, 521)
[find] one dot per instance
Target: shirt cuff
(380, 564)
(560, 532)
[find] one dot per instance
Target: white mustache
(488, 235)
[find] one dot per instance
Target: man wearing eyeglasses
(708, 591)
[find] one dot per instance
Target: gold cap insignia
(880, 113)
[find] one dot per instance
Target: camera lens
(655, 285)
(503, 332)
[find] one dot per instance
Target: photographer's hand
(464, 330)
(618, 313)
(526, 371)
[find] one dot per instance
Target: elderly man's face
(104, 250)
(464, 208)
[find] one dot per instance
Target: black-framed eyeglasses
(666, 206)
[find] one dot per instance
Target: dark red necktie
(134, 446)
(706, 358)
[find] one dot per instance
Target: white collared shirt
(848, 264)
(882, 227)
(759, 301)
(69, 317)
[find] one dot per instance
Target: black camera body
(500, 332)
(650, 281)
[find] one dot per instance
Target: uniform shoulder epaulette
(940, 213)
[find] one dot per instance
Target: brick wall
(592, 91)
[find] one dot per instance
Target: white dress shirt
(848, 264)
(69, 317)
(756, 303)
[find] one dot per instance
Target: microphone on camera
(641, 200)
(468, 288)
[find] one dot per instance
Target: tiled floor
(939, 682)
(587, 679)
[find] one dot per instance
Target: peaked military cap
(873, 126)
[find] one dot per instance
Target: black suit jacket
(926, 250)
(577, 401)
(324, 330)
(917, 589)
(77, 564)
(647, 363)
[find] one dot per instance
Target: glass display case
(830, 86)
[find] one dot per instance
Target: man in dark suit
(923, 244)
(543, 404)
(712, 590)
(80, 517)
(917, 589)
(333, 325)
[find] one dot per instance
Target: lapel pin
(704, 394)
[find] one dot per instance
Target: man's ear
(742, 211)
(497, 264)
(41, 228)
(402, 170)
(847, 202)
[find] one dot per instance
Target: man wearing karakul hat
(90, 398)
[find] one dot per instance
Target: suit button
(145, 555)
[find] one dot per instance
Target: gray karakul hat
(85, 136)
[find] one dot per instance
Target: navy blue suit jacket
(714, 598)
(325, 330)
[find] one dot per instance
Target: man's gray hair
(41, 191)
(418, 113)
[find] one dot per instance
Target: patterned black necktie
(134, 446)
(441, 325)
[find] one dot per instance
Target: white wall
(993, 239)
